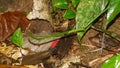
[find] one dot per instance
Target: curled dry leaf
(12, 52)
(10, 21)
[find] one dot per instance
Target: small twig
(103, 34)
(102, 41)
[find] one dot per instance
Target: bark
(40, 10)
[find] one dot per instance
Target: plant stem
(113, 35)
(61, 34)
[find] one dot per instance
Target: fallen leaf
(99, 60)
(10, 66)
(10, 21)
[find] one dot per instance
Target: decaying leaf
(10, 66)
(63, 26)
(68, 60)
(5, 60)
(10, 21)
(12, 51)
(110, 43)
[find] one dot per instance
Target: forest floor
(69, 53)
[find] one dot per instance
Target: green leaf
(75, 2)
(87, 12)
(69, 14)
(62, 4)
(113, 10)
(17, 37)
(113, 62)
(53, 6)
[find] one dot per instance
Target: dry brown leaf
(63, 26)
(99, 60)
(10, 21)
(9, 66)
(12, 52)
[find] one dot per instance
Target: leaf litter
(64, 55)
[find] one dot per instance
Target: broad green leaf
(53, 6)
(62, 4)
(75, 2)
(113, 62)
(87, 12)
(113, 10)
(17, 37)
(69, 14)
